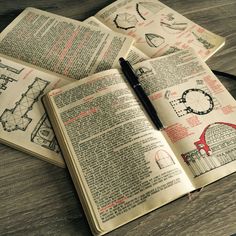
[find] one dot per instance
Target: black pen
(133, 81)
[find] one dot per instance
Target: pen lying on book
(133, 81)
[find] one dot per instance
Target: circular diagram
(125, 21)
(197, 101)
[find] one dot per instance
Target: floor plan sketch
(17, 118)
(4, 80)
(44, 136)
(216, 147)
(193, 100)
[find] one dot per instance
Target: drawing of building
(4, 80)
(216, 147)
(43, 135)
(163, 159)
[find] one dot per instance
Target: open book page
(23, 122)
(62, 45)
(199, 113)
(121, 165)
(158, 29)
(134, 56)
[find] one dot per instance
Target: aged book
(62, 45)
(69, 48)
(58, 44)
(121, 165)
(157, 29)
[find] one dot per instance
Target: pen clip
(129, 72)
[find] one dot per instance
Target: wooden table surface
(37, 198)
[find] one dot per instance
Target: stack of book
(121, 164)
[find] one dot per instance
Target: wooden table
(37, 198)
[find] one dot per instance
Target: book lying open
(69, 48)
(62, 45)
(57, 44)
(121, 165)
(157, 29)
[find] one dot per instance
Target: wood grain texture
(37, 198)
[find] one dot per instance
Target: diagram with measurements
(193, 100)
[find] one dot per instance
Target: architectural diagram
(204, 42)
(215, 147)
(170, 50)
(144, 72)
(171, 26)
(144, 8)
(43, 135)
(154, 40)
(17, 117)
(4, 80)
(214, 135)
(194, 101)
(163, 159)
(9, 68)
(125, 21)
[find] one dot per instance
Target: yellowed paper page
(23, 122)
(134, 56)
(62, 45)
(121, 164)
(158, 30)
(198, 112)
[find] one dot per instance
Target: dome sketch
(143, 8)
(163, 159)
(215, 148)
(154, 40)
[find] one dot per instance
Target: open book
(69, 48)
(57, 44)
(157, 29)
(62, 45)
(121, 165)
